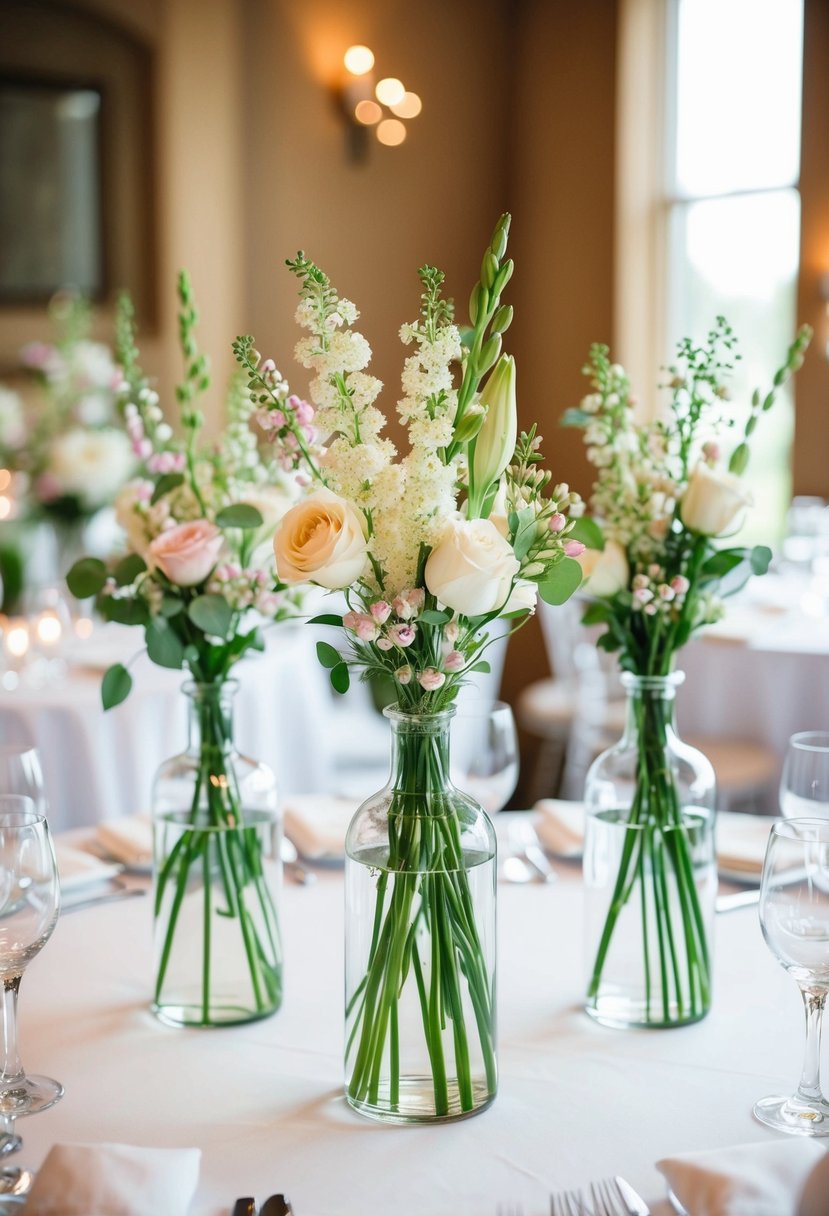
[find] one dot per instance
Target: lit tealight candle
(48, 630)
(84, 626)
(17, 639)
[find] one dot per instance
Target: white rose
(321, 540)
(714, 501)
(91, 465)
(471, 568)
(605, 570)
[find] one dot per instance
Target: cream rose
(91, 465)
(188, 552)
(605, 570)
(321, 540)
(714, 501)
(471, 568)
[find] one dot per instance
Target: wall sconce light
(381, 106)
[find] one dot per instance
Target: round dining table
(264, 1102)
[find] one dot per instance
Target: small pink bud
(350, 621)
(267, 367)
(366, 629)
(643, 595)
(680, 584)
(666, 592)
(557, 522)
(451, 631)
(651, 609)
(574, 548)
(385, 643)
(381, 611)
(304, 413)
(403, 675)
(402, 635)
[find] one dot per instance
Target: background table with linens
(264, 1101)
(100, 766)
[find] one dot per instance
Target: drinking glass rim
(799, 740)
(782, 827)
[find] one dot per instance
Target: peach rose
(321, 540)
(187, 553)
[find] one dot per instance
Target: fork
(569, 1203)
(509, 1209)
(606, 1198)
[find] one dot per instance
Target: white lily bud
(495, 443)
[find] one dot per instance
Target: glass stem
(814, 1003)
(11, 1066)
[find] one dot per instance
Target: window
(731, 205)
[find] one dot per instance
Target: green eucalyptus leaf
(170, 481)
(432, 616)
(128, 569)
(340, 679)
(212, 614)
(171, 605)
(760, 558)
(126, 611)
(163, 644)
(239, 515)
(86, 578)
(563, 579)
(115, 686)
(328, 656)
(483, 667)
(576, 417)
(326, 618)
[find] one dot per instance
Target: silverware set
(274, 1205)
(606, 1197)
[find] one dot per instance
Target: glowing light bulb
(359, 60)
(390, 91)
(367, 112)
(408, 107)
(391, 132)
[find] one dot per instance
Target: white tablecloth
(100, 765)
(264, 1102)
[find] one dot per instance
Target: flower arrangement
(70, 447)
(429, 549)
(657, 571)
(199, 580)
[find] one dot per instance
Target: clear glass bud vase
(649, 868)
(420, 939)
(217, 875)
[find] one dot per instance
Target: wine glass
(29, 906)
(21, 773)
(804, 784)
(794, 915)
(484, 752)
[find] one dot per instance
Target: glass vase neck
(650, 704)
(210, 712)
(420, 749)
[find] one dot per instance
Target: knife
(244, 1207)
(636, 1205)
(739, 899)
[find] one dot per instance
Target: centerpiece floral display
(199, 580)
(68, 444)
(657, 573)
(429, 549)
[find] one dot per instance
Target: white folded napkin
(77, 868)
(128, 840)
(746, 1180)
(741, 838)
(114, 1180)
(317, 824)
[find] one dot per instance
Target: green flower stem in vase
(650, 868)
(420, 938)
(217, 872)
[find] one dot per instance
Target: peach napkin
(764, 1179)
(78, 869)
(317, 824)
(114, 1180)
(741, 838)
(129, 840)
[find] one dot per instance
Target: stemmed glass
(484, 752)
(794, 915)
(804, 785)
(29, 906)
(20, 773)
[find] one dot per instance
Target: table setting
(251, 993)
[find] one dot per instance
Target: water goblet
(484, 752)
(29, 906)
(804, 784)
(794, 915)
(21, 773)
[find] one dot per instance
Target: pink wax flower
(409, 602)
(431, 679)
(680, 584)
(381, 611)
(350, 620)
(574, 548)
(451, 631)
(557, 522)
(384, 643)
(403, 675)
(367, 630)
